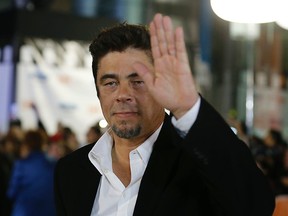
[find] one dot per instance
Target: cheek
(105, 107)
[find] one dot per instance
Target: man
(149, 163)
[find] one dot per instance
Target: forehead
(122, 62)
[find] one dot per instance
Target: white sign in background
(56, 94)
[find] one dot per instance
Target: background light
(283, 24)
(103, 123)
(282, 15)
(246, 11)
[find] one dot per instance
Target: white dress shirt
(113, 198)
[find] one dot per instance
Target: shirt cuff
(184, 123)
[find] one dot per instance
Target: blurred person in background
(93, 134)
(269, 155)
(11, 146)
(31, 183)
(11, 142)
(70, 140)
(15, 129)
(242, 132)
(284, 174)
(63, 142)
(9, 152)
(56, 150)
(5, 172)
(238, 126)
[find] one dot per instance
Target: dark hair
(117, 39)
(34, 140)
(96, 129)
(277, 137)
(15, 122)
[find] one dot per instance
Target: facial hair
(126, 133)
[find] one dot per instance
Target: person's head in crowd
(274, 138)
(93, 134)
(10, 146)
(34, 141)
(15, 129)
(70, 139)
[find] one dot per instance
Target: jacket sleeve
(16, 181)
(226, 164)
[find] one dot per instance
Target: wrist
(181, 111)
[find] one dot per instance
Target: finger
(160, 33)
(154, 42)
(168, 27)
(181, 52)
(144, 72)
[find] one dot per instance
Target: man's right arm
(227, 166)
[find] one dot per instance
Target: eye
(138, 83)
(110, 83)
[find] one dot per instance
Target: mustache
(121, 108)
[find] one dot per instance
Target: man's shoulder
(79, 155)
(73, 171)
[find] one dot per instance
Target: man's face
(126, 103)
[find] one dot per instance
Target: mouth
(125, 114)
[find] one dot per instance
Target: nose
(124, 93)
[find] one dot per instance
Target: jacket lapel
(89, 180)
(159, 169)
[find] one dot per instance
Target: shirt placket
(130, 193)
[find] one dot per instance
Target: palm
(171, 83)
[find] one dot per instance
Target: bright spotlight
(103, 123)
(282, 17)
(245, 11)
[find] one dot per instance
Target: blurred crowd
(270, 153)
(27, 160)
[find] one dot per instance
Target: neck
(120, 156)
(120, 151)
(121, 162)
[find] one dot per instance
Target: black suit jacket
(209, 173)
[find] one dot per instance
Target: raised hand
(171, 82)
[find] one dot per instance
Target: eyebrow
(108, 76)
(114, 76)
(132, 75)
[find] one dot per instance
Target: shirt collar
(145, 149)
(100, 154)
